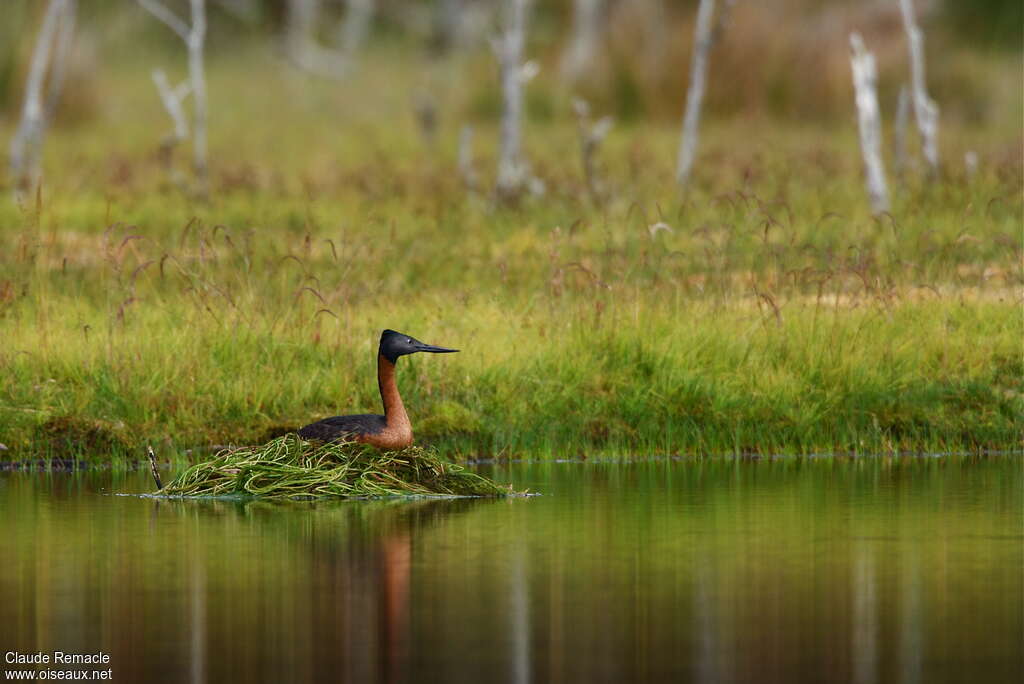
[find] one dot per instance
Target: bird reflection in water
(344, 570)
(393, 577)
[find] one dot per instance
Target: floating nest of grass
(291, 467)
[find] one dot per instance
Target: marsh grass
(773, 316)
(291, 467)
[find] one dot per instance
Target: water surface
(715, 571)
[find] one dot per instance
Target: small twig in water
(152, 467)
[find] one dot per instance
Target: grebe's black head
(394, 344)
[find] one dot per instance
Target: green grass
(777, 316)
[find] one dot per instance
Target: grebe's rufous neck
(392, 430)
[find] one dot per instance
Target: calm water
(907, 571)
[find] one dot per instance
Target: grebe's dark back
(392, 430)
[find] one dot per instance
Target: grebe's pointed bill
(394, 344)
(431, 348)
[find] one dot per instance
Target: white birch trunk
(197, 76)
(26, 144)
(926, 112)
(298, 24)
(591, 136)
(900, 133)
(970, 164)
(172, 99)
(354, 27)
(301, 45)
(193, 34)
(586, 29)
(61, 57)
(512, 174)
(702, 39)
(869, 121)
(467, 170)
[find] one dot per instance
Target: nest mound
(291, 467)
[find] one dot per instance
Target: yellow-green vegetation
(291, 467)
(763, 311)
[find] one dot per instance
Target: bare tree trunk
(447, 24)
(869, 120)
(301, 44)
(512, 173)
(926, 112)
(702, 39)
(245, 11)
(298, 24)
(61, 57)
(26, 145)
(652, 17)
(591, 135)
(172, 99)
(460, 24)
(354, 27)
(196, 39)
(425, 108)
(193, 34)
(970, 164)
(900, 134)
(467, 171)
(586, 29)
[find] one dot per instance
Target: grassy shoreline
(733, 379)
(594, 342)
(773, 315)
